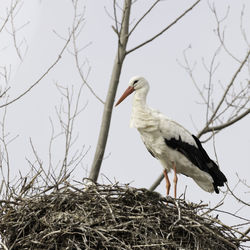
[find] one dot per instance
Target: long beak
(127, 92)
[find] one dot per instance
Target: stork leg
(175, 180)
(167, 181)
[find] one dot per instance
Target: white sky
(172, 92)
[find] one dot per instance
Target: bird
(169, 142)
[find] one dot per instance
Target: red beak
(127, 92)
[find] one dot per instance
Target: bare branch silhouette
(78, 22)
(42, 76)
(164, 30)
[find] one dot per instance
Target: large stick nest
(109, 217)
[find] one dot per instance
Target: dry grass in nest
(109, 217)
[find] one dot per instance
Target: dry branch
(206, 129)
(164, 30)
(42, 76)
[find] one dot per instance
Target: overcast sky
(172, 91)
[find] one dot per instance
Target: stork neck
(141, 117)
(139, 99)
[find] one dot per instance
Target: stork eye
(135, 82)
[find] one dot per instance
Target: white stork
(170, 143)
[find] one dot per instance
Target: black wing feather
(217, 175)
(199, 157)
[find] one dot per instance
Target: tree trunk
(109, 103)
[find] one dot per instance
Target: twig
(165, 29)
(238, 199)
(144, 15)
(41, 77)
(224, 95)
(227, 124)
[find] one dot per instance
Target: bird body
(169, 142)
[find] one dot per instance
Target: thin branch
(4, 92)
(14, 31)
(227, 124)
(242, 28)
(67, 117)
(78, 24)
(116, 20)
(42, 76)
(238, 107)
(218, 30)
(12, 8)
(165, 29)
(144, 15)
(190, 70)
(211, 70)
(225, 94)
(238, 199)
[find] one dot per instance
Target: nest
(109, 217)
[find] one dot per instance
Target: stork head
(136, 83)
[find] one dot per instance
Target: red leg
(167, 181)
(175, 180)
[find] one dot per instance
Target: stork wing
(173, 130)
(178, 138)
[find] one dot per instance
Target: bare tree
(124, 32)
(67, 112)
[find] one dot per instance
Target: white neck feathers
(141, 117)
